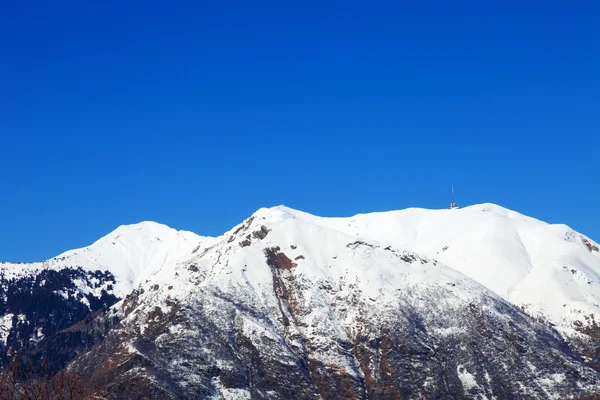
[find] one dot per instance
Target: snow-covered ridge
(298, 287)
(549, 269)
(131, 252)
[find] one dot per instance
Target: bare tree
(35, 382)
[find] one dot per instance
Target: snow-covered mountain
(402, 304)
(131, 253)
(549, 269)
(291, 305)
(39, 300)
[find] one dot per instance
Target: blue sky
(196, 115)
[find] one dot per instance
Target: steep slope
(283, 307)
(550, 270)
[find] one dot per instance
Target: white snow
(5, 327)
(225, 393)
(548, 383)
(522, 259)
(548, 269)
(467, 379)
(131, 252)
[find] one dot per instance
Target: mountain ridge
(291, 305)
(283, 307)
(500, 248)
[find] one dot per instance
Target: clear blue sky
(195, 114)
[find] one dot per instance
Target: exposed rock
(278, 260)
(261, 233)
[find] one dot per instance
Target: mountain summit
(131, 252)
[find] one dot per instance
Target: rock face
(291, 306)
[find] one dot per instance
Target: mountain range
(479, 302)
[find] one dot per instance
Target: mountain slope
(38, 301)
(549, 269)
(403, 304)
(131, 253)
(282, 307)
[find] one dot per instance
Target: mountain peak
(142, 228)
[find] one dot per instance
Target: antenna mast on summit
(453, 204)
